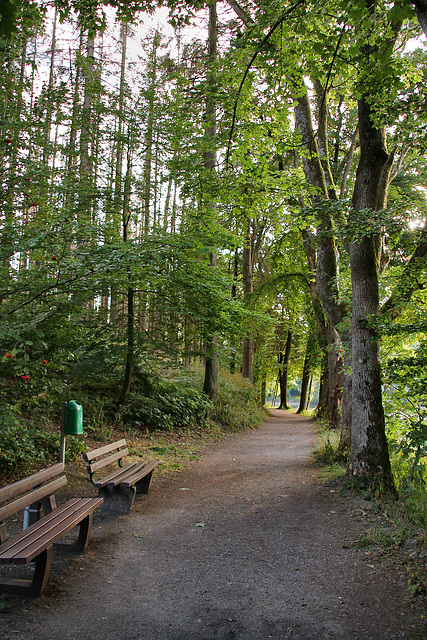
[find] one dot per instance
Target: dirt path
(247, 544)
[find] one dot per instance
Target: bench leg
(117, 499)
(80, 544)
(35, 586)
(41, 572)
(144, 484)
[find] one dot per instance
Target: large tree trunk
(369, 458)
(318, 174)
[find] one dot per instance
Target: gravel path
(246, 544)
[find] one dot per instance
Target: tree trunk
(305, 380)
(49, 106)
(234, 296)
(308, 242)
(210, 383)
(421, 11)
(345, 436)
(248, 286)
(318, 174)
(148, 161)
(85, 186)
(369, 458)
(283, 372)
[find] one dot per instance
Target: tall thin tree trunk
(210, 384)
(284, 370)
(305, 378)
(234, 296)
(130, 352)
(248, 287)
(49, 106)
(85, 187)
(149, 135)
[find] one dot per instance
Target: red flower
(25, 377)
(44, 362)
(9, 355)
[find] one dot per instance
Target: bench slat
(85, 508)
(21, 486)
(123, 473)
(55, 528)
(96, 453)
(34, 496)
(95, 466)
(32, 528)
(140, 474)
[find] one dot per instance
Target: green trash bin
(74, 421)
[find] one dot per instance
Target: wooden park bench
(119, 487)
(44, 525)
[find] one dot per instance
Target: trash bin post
(63, 422)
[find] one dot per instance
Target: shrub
(24, 446)
(169, 406)
(21, 447)
(236, 406)
(405, 403)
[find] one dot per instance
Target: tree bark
(210, 384)
(146, 198)
(85, 187)
(305, 380)
(421, 11)
(248, 287)
(49, 106)
(284, 358)
(318, 174)
(369, 458)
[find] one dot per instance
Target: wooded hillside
(238, 187)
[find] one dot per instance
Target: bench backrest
(103, 456)
(21, 494)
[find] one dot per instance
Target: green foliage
(327, 454)
(326, 448)
(21, 447)
(169, 406)
(236, 406)
(405, 402)
(380, 537)
(25, 445)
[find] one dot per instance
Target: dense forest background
(210, 203)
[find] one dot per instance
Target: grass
(332, 463)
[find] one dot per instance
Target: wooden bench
(119, 487)
(44, 524)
